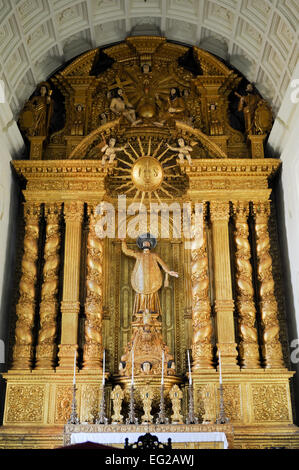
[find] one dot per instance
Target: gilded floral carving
(270, 402)
(25, 403)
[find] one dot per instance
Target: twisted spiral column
(46, 348)
(249, 349)
(271, 348)
(94, 296)
(25, 310)
(201, 308)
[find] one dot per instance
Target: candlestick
(102, 419)
(132, 379)
(132, 419)
(162, 377)
(189, 366)
(74, 418)
(74, 378)
(191, 418)
(220, 374)
(104, 358)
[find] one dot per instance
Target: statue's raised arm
(127, 251)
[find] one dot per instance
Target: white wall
(284, 140)
(11, 146)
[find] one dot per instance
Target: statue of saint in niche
(248, 104)
(36, 116)
(146, 278)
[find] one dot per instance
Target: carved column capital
(219, 211)
(32, 212)
(261, 209)
(52, 212)
(240, 210)
(73, 211)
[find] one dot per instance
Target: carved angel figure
(109, 150)
(183, 150)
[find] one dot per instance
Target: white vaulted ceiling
(258, 37)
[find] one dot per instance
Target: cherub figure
(109, 151)
(183, 150)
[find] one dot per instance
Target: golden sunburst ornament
(145, 172)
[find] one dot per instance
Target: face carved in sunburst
(147, 174)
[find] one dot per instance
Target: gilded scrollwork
(63, 406)
(232, 401)
(25, 403)
(270, 402)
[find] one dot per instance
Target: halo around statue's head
(146, 237)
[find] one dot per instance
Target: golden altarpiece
(140, 121)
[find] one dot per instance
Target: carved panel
(25, 403)
(64, 395)
(270, 402)
(232, 402)
(90, 400)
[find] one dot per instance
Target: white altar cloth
(119, 438)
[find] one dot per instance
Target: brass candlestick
(74, 418)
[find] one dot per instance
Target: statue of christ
(146, 278)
